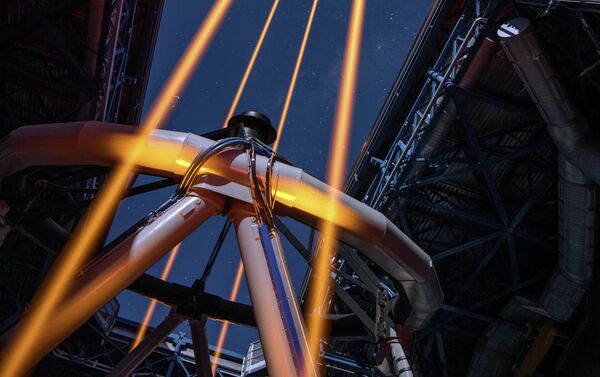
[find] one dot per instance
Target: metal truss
(100, 354)
(362, 291)
(44, 78)
(480, 202)
(447, 69)
(116, 51)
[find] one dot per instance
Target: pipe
(297, 194)
(500, 345)
(112, 271)
(579, 165)
(192, 304)
(400, 362)
(280, 325)
(569, 128)
(578, 209)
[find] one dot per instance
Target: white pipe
(285, 348)
(110, 273)
(297, 194)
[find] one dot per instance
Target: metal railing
(425, 109)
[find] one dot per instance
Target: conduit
(579, 165)
(569, 128)
(449, 113)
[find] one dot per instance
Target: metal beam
(191, 303)
(142, 189)
(201, 351)
(465, 246)
(356, 309)
(539, 190)
(146, 347)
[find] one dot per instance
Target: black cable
(262, 208)
(263, 204)
(211, 151)
(215, 251)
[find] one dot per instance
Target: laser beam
(232, 297)
(234, 103)
(152, 306)
(250, 65)
(20, 349)
(338, 148)
(290, 92)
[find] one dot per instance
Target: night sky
(389, 29)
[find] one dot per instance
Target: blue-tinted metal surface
(285, 309)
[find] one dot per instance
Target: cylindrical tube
(117, 268)
(280, 326)
(297, 194)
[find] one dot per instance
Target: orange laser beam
(259, 43)
(290, 92)
(21, 347)
(234, 103)
(152, 306)
(317, 327)
(232, 297)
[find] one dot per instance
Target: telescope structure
(468, 224)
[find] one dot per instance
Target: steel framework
(469, 173)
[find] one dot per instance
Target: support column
(280, 325)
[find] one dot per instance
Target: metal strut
(215, 176)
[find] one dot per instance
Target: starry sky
(389, 30)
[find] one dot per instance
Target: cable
(262, 209)
(215, 252)
(218, 147)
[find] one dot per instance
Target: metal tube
(280, 326)
(400, 363)
(569, 129)
(191, 303)
(201, 351)
(297, 194)
(115, 269)
(131, 361)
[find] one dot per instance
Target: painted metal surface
(296, 193)
(221, 181)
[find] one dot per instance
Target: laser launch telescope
(230, 172)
